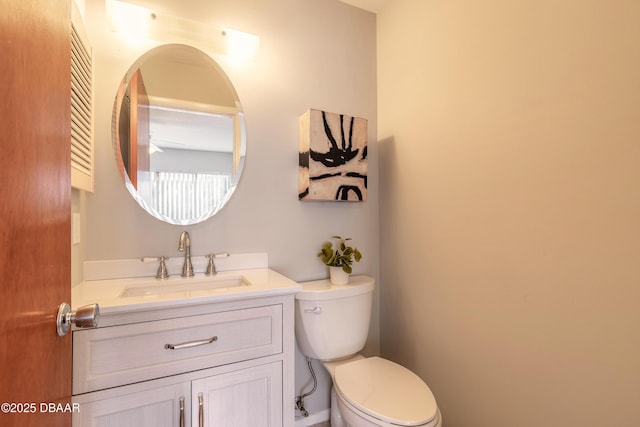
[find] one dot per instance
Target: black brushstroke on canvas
(336, 156)
(324, 175)
(358, 175)
(303, 159)
(344, 190)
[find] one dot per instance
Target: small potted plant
(339, 259)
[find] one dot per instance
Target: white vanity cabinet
(214, 365)
(249, 397)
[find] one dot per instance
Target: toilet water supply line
(300, 399)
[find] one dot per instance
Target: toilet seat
(385, 391)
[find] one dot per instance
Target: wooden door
(35, 260)
(140, 135)
(143, 120)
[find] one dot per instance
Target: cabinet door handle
(200, 410)
(190, 344)
(181, 411)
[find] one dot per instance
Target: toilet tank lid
(386, 391)
(324, 289)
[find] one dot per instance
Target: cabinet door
(159, 407)
(246, 398)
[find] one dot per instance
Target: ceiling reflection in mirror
(179, 134)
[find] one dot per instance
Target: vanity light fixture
(241, 46)
(140, 23)
(130, 20)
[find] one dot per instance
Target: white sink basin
(185, 287)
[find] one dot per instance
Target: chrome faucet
(184, 245)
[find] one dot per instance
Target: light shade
(140, 23)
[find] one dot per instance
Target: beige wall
(510, 207)
(324, 58)
(313, 54)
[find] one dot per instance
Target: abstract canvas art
(333, 157)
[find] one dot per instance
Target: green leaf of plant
(343, 255)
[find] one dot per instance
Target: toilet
(332, 324)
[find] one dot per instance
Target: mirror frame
(239, 140)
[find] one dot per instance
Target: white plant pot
(338, 276)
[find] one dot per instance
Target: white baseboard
(315, 418)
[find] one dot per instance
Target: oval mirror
(179, 134)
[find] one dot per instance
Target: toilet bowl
(377, 392)
(332, 324)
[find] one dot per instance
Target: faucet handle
(211, 266)
(221, 255)
(162, 268)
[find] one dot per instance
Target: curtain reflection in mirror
(184, 196)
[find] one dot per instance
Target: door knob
(84, 317)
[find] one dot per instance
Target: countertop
(109, 294)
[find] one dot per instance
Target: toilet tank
(332, 322)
